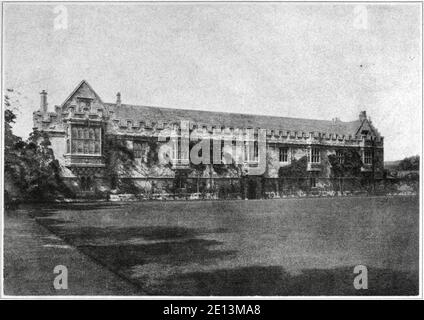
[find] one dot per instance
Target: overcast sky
(297, 60)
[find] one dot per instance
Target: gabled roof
(78, 87)
(137, 113)
(366, 125)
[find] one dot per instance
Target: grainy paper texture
(211, 149)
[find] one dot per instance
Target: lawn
(255, 247)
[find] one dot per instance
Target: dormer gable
(366, 128)
(83, 99)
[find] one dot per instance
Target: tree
(31, 165)
(12, 143)
(41, 174)
(410, 164)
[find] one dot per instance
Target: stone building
(82, 127)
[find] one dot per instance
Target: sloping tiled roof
(137, 113)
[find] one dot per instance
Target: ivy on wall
(119, 160)
(296, 169)
(221, 168)
(153, 153)
(121, 163)
(349, 167)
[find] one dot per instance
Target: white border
(199, 298)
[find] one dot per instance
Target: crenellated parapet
(59, 120)
(84, 108)
(49, 121)
(131, 127)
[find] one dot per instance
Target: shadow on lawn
(46, 209)
(171, 246)
(274, 280)
(121, 258)
(180, 246)
(80, 236)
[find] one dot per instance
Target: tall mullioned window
(314, 156)
(255, 151)
(246, 151)
(85, 140)
(340, 156)
(368, 157)
(138, 150)
(283, 156)
(251, 151)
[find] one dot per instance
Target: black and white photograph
(211, 149)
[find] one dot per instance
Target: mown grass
(259, 247)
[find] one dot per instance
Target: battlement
(153, 128)
(84, 106)
(47, 121)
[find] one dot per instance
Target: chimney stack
(362, 115)
(43, 101)
(118, 99)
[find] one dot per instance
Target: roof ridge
(229, 113)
